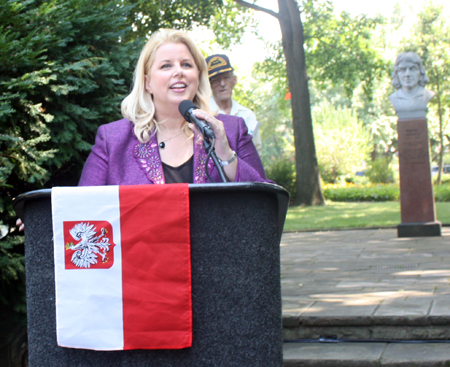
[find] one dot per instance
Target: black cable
(208, 157)
(209, 148)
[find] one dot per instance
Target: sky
(243, 56)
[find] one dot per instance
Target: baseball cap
(218, 64)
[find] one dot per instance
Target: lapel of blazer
(148, 159)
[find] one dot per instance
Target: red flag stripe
(156, 266)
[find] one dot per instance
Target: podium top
(281, 194)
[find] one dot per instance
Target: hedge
(378, 192)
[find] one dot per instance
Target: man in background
(223, 80)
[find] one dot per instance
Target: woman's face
(174, 77)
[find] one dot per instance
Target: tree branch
(258, 8)
(337, 48)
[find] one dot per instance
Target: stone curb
(295, 321)
(343, 229)
(349, 229)
(368, 328)
(366, 355)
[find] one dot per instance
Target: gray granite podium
(410, 101)
(236, 294)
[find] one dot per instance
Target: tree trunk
(441, 134)
(309, 191)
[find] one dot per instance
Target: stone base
(425, 229)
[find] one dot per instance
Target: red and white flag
(122, 267)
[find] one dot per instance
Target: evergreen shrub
(65, 66)
(378, 192)
(352, 193)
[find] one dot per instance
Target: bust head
(408, 71)
(409, 77)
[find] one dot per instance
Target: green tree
(342, 141)
(147, 16)
(309, 191)
(224, 17)
(328, 50)
(63, 67)
(340, 49)
(265, 98)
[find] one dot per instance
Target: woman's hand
(20, 224)
(222, 147)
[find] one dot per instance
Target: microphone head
(185, 108)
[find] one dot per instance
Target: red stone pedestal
(418, 212)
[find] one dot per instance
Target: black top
(180, 174)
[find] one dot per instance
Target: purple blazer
(118, 158)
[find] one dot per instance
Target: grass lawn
(352, 215)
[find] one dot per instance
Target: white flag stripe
(102, 324)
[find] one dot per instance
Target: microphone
(186, 107)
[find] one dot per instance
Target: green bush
(334, 128)
(282, 171)
(442, 192)
(328, 174)
(379, 171)
(379, 192)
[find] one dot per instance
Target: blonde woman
(154, 144)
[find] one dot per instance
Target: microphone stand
(209, 148)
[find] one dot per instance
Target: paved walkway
(366, 285)
(368, 272)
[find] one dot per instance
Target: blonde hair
(138, 106)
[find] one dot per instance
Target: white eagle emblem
(90, 246)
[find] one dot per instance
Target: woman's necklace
(162, 145)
